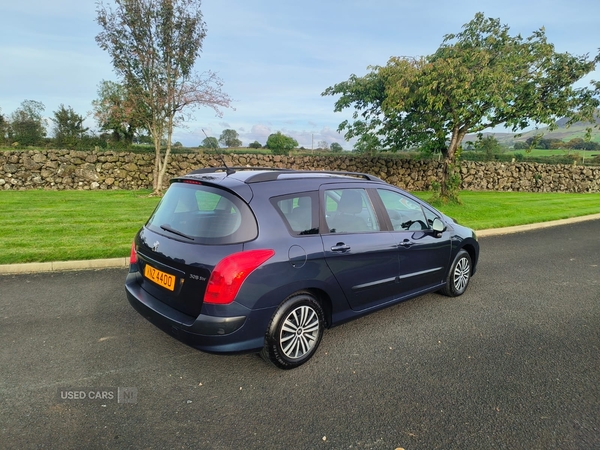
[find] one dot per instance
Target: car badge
(155, 246)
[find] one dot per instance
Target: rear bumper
(213, 334)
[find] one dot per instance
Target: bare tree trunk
(163, 169)
(163, 163)
(449, 192)
(155, 185)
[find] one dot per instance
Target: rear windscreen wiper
(178, 233)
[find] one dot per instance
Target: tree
(367, 143)
(335, 147)
(154, 45)
(254, 144)
(115, 111)
(68, 127)
(488, 145)
(210, 142)
(5, 130)
(28, 124)
(281, 144)
(477, 79)
(322, 145)
(229, 138)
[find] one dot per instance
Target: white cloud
(274, 57)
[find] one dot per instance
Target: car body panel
(350, 273)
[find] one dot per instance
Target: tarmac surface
(511, 364)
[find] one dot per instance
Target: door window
(349, 211)
(404, 213)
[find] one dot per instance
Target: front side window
(349, 211)
(203, 214)
(404, 213)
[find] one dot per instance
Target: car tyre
(459, 275)
(295, 331)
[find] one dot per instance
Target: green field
(541, 153)
(39, 226)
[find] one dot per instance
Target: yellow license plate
(159, 277)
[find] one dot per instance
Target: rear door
(362, 257)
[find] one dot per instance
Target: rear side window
(203, 214)
(299, 212)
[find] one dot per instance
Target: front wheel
(459, 275)
(295, 332)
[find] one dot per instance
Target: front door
(423, 255)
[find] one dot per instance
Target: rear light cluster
(133, 254)
(229, 274)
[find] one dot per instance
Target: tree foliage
(254, 144)
(281, 144)
(68, 127)
(5, 130)
(556, 144)
(28, 125)
(323, 145)
(154, 45)
(335, 147)
(479, 78)
(488, 145)
(229, 138)
(115, 112)
(210, 142)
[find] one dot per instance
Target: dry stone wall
(62, 169)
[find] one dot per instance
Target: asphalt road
(512, 364)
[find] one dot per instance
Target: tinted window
(349, 211)
(404, 213)
(298, 212)
(203, 214)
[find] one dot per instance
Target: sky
(275, 57)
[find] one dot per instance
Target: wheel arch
(323, 298)
(470, 249)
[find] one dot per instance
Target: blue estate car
(263, 260)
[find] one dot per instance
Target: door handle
(340, 247)
(405, 243)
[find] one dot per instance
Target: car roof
(249, 175)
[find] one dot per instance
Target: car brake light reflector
(133, 254)
(228, 275)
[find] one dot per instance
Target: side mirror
(438, 226)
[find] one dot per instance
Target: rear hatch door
(193, 228)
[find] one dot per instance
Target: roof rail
(234, 169)
(273, 173)
(271, 176)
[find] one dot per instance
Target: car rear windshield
(204, 215)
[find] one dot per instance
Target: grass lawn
(483, 210)
(39, 226)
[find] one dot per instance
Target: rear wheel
(459, 275)
(295, 332)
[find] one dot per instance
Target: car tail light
(229, 274)
(133, 254)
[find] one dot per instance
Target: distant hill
(563, 133)
(562, 123)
